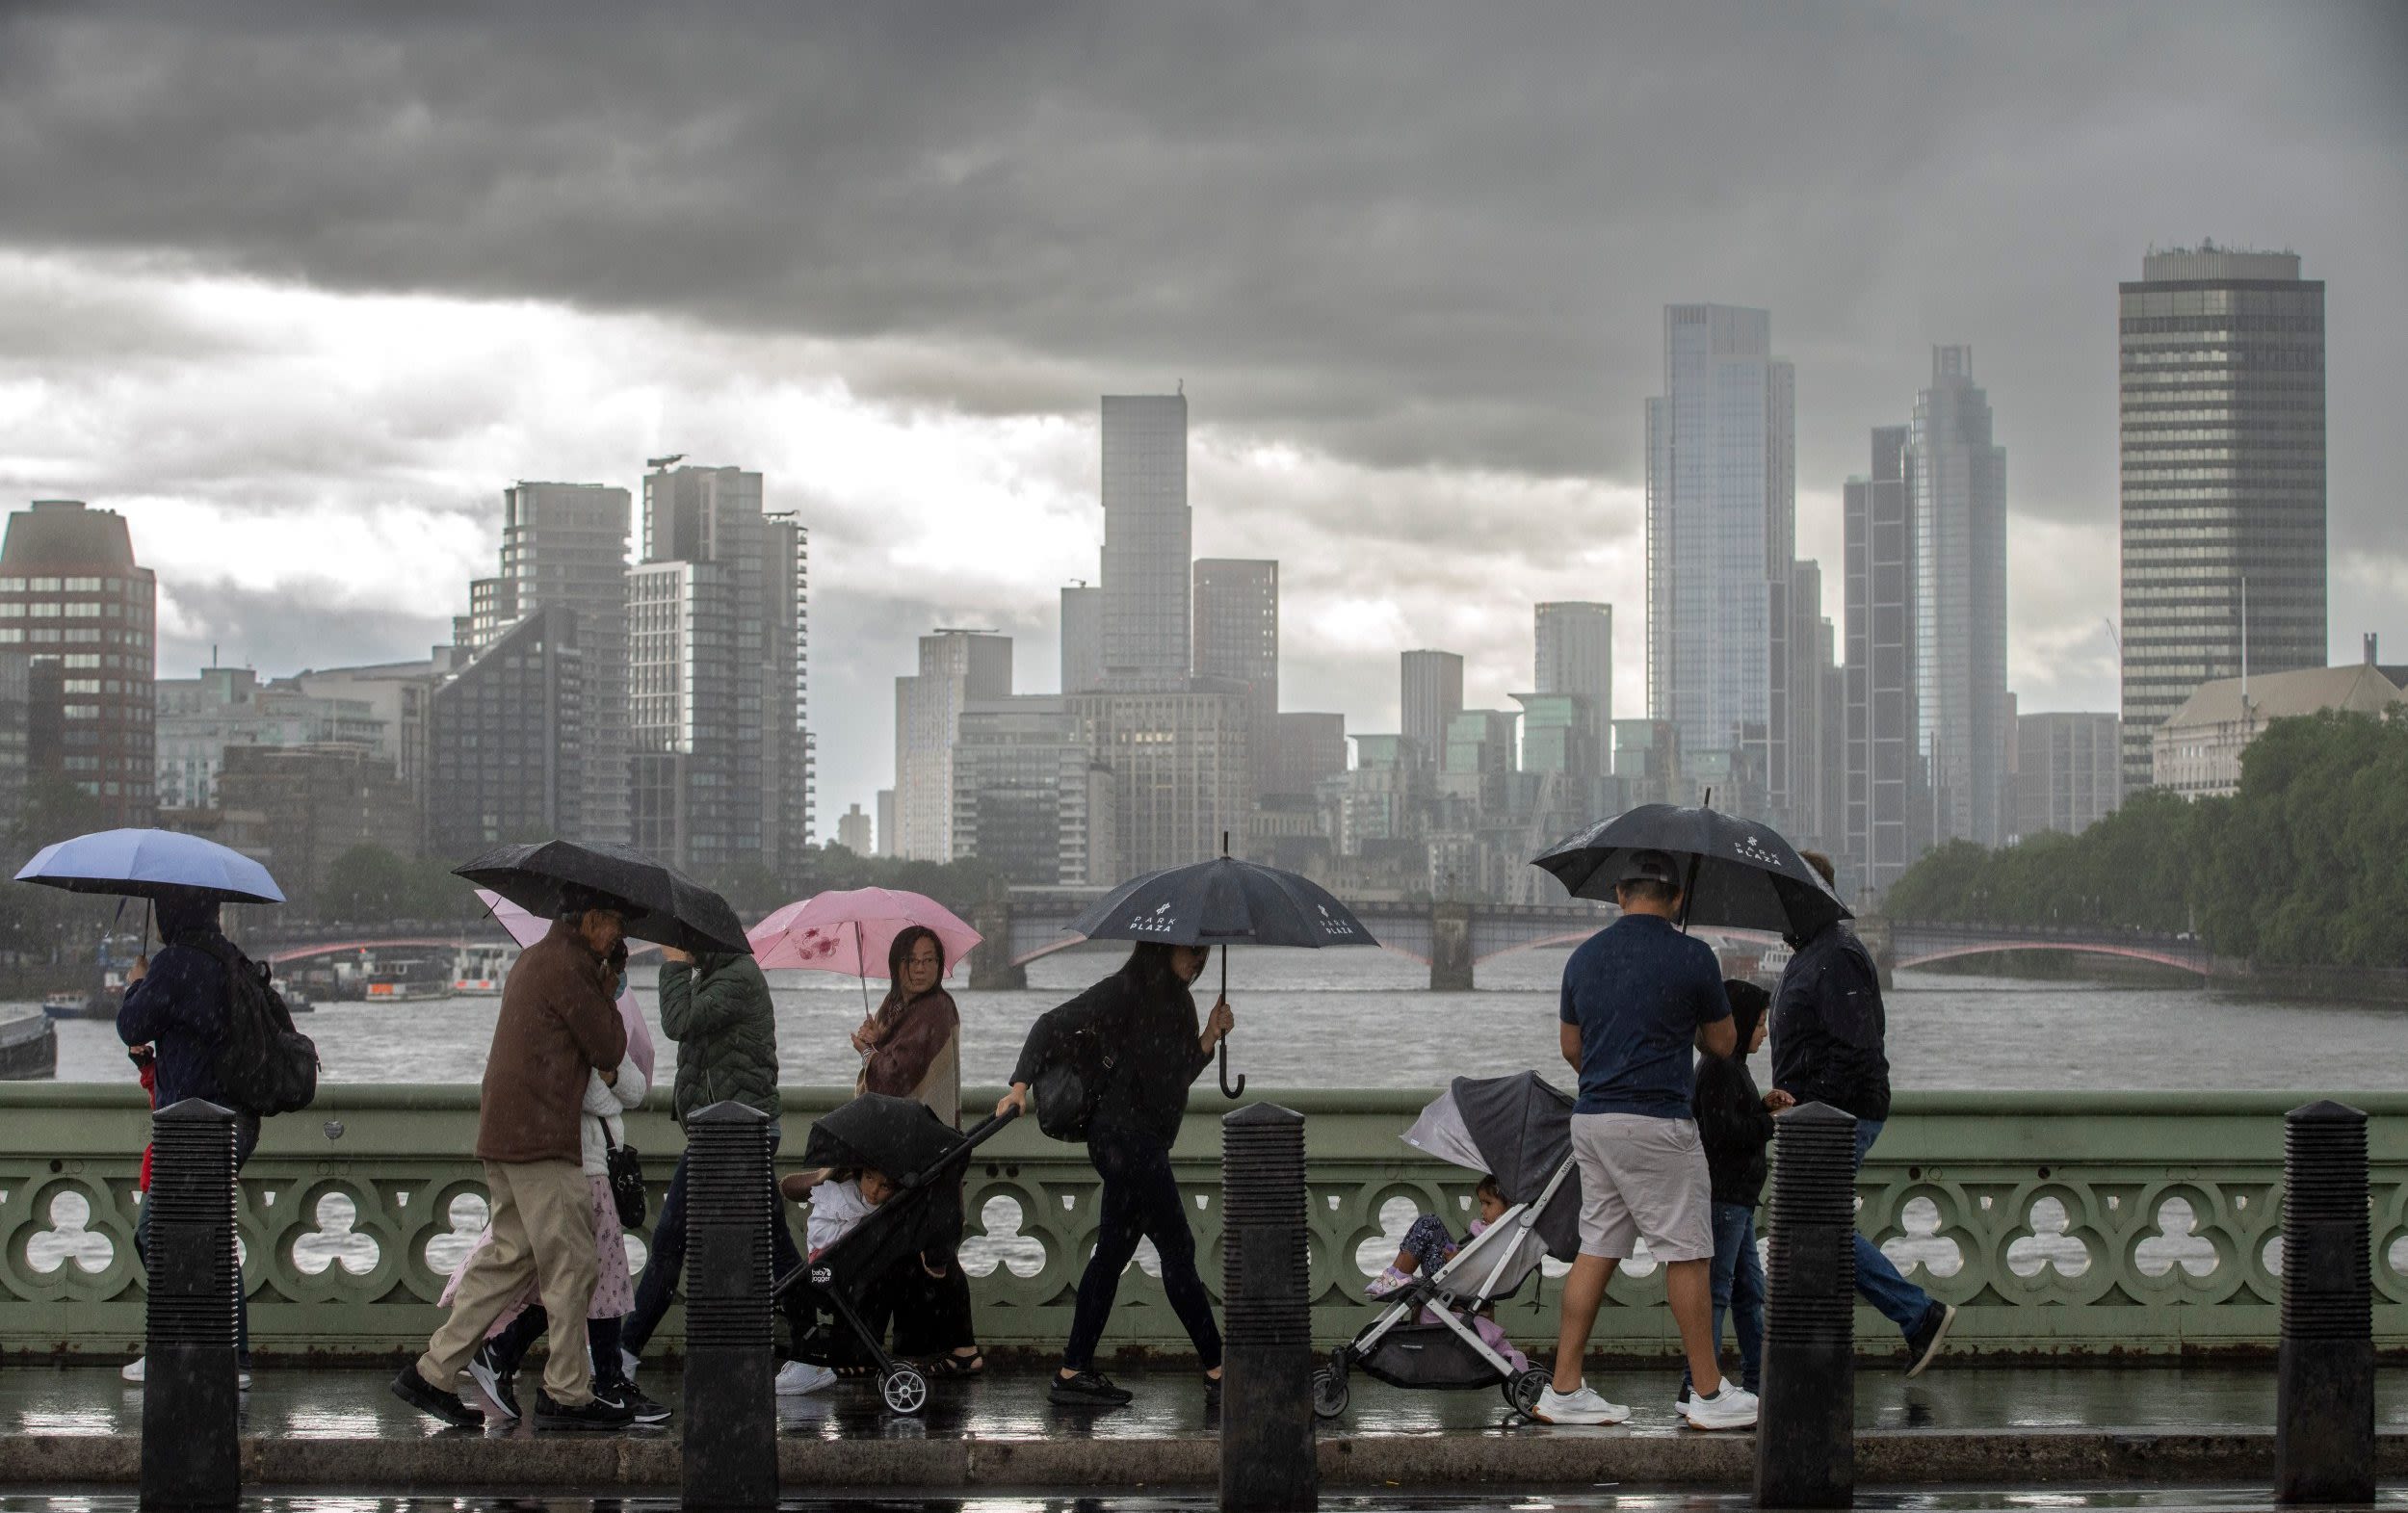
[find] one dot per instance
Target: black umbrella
(1222, 903)
(1741, 875)
(661, 903)
(900, 1137)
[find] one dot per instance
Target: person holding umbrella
(1143, 1019)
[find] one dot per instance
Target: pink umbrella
(526, 929)
(850, 932)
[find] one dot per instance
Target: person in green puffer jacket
(717, 1007)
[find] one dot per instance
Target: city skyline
(273, 404)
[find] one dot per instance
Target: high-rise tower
(1237, 639)
(1148, 541)
(1956, 488)
(84, 613)
(1575, 655)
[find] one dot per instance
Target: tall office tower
(1237, 637)
(1956, 487)
(956, 668)
(1575, 642)
(1148, 541)
(789, 754)
(710, 668)
(1887, 814)
(1433, 697)
(84, 613)
(506, 742)
(1809, 658)
(565, 545)
(2223, 433)
(2068, 771)
(1081, 639)
(1721, 531)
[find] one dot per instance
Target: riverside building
(84, 615)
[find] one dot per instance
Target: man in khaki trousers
(557, 1026)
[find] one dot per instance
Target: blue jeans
(1877, 1282)
(1739, 1289)
(665, 1264)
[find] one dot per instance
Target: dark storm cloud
(1410, 236)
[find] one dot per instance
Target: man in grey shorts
(1638, 995)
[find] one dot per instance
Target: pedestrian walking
(181, 1006)
(1828, 1045)
(1636, 997)
(601, 1129)
(911, 1048)
(555, 1028)
(1144, 1039)
(1736, 1127)
(715, 1005)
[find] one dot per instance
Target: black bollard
(2325, 1391)
(731, 1408)
(1266, 1454)
(191, 1456)
(1806, 1415)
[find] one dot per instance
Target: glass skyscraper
(1148, 541)
(2223, 478)
(1956, 488)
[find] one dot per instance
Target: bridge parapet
(2060, 1224)
(1920, 942)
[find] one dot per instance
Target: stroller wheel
(1329, 1394)
(904, 1388)
(1521, 1391)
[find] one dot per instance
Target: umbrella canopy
(151, 864)
(1223, 902)
(850, 931)
(662, 903)
(900, 1137)
(526, 929)
(1518, 1130)
(1742, 875)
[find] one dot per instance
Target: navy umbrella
(1223, 902)
(1740, 874)
(660, 903)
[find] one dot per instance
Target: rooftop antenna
(659, 462)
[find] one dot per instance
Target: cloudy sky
(298, 289)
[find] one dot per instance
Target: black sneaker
(1088, 1390)
(484, 1368)
(599, 1413)
(629, 1395)
(432, 1400)
(1923, 1343)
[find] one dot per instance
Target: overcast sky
(300, 292)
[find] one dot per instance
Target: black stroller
(1519, 1130)
(924, 1157)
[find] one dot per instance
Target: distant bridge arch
(1917, 943)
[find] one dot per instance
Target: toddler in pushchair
(919, 1158)
(1432, 1331)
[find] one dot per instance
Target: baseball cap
(1649, 867)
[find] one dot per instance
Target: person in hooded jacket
(1735, 1127)
(715, 1005)
(180, 1007)
(1145, 1016)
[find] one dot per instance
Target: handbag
(1070, 1086)
(626, 1176)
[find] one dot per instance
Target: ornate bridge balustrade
(2062, 1224)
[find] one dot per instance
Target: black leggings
(1141, 1201)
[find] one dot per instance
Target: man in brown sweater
(557, 1024)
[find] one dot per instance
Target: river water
(1367, 1019)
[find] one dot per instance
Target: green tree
(370, 885)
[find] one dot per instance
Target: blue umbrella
(151, 864)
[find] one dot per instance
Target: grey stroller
(1518, 1129)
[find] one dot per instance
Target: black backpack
(1071, 1083)
(264, 1066)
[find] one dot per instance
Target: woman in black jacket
(1144, 1018)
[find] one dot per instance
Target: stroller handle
(972, 1138)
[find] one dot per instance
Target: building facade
(297, 809)
(199, 717)
(2223, 479)
(565, 545)
(2069, 771)
(84, 613)
(1081, 639)
(2196, 751)
(1311, 745)
(957, 667)
(1237, 641)
(1148, 541)
(1721, 503)
(1432, 697)
(15, 691)
(506, 742)
(1179, 771)
(1888, 815)
(853, 831)
(1574, 640)
(1029, 797)
(1957, 489)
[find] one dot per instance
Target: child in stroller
(1430, 1244)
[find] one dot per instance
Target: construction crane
(658, 462)
(2113, 638)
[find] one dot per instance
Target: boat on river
(29, 1049)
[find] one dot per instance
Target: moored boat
(29, 1048)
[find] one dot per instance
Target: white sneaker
(1586, 1407)
(1734, 1407)
(797, 1377)
(132, 1371)
(242, 1381)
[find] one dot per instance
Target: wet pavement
(304, 1404)
(1965, 1500)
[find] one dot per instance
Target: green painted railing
(2074, 1224)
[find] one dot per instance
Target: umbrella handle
(1227, 1091)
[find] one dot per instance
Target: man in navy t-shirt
(1638, 996)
